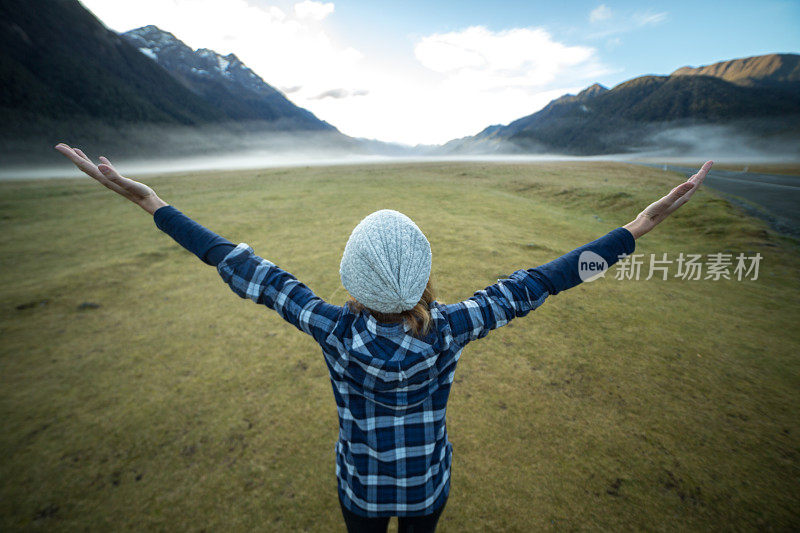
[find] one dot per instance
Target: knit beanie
(386, 262)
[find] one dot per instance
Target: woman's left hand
(107, 175)
(656, 212)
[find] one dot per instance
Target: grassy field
(174, 405)
(790, 169)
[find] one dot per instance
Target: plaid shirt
(391, 389)
(393, 456)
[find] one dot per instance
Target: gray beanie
(386, 262)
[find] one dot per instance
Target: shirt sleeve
(250, 276)
(525, 290)
(255, 278)
(202, 242)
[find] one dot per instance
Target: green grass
(618, 405)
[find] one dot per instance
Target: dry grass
(655, 405)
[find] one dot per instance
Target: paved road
(776, 197)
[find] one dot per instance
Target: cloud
(313, 10)
(339, 93)
(645, 19)
(332, 93)
(292, 89)
(464, 81)
(519, 57)
(607, 25)
(601, 12)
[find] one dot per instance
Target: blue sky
(426, 72)
(692, 32)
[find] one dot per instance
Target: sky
(425, 72)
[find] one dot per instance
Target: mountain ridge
(769, 68)
(765, 100)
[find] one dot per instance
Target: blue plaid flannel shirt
(393, 456)
(391, 389)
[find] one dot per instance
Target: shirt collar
(379, 328)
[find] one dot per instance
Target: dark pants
(405, 524)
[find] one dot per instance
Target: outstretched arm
(564, 273)
(525, 290)
(205, 244)
(247, 274)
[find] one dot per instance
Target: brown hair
(417, 319)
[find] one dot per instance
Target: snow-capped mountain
(224, 81)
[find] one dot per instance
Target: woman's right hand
(107, 175)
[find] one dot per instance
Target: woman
(392, 350)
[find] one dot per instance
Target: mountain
(223, 81)
(59, 62)
(760, 96)
(65, 77)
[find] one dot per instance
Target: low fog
(255, 159)
(731, 144)
(166, 151)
